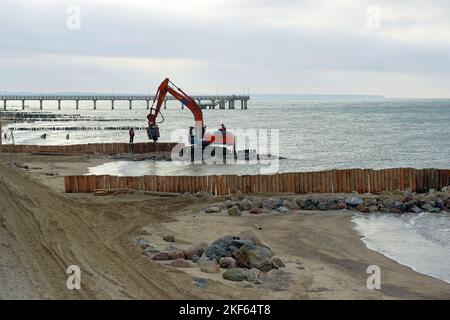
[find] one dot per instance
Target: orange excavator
(198, 136)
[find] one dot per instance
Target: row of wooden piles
(332, 181)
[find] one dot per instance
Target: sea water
(316, 134)
(419, 241)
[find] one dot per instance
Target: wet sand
(43, 231)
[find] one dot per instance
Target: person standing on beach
(131, 133)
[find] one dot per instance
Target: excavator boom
(198, 136)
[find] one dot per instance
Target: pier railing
(332, 181)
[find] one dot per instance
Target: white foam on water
(419, 241)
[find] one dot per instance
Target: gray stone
(200, 282)
(240, 243)
(435, 210)
(283, 210)
(245, 204)
(217, 251)
(212, 210)
(230, 204)
(427, 207)
(291, 205)
(234, 211)
(373, 209)
(416, 209)
(354, 201)
(252, 258)
(236, 274)
(322, 206)
(224, 241)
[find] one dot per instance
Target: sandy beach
(43, 231)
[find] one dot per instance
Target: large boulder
(215, 251)
(245, 204)
(272, 203)
(225, 241)
(354, 201)
(195, 250)
(234, 211)
(229, 204)
(427, 207)
(209, 266)
(250, 257)
(236, 274)
(213, 210)
(291, 205)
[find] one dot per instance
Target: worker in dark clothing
(131, 133)
(222, 129)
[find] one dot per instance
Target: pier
(204, 101)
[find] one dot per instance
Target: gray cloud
(268, 46)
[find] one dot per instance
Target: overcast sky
(266, 46)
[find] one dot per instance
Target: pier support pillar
(112, 104)
(95, 104)
(76, 107)
(148, 104)
(242, 104)
(245, 104)
(23, 104)
(59, 104)
(4, 105)
(131, 105)
(40, 104)
(165, 104)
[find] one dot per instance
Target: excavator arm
(198, 136)
(178, 94)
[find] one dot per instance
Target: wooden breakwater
(105, 148)
(332, 181)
